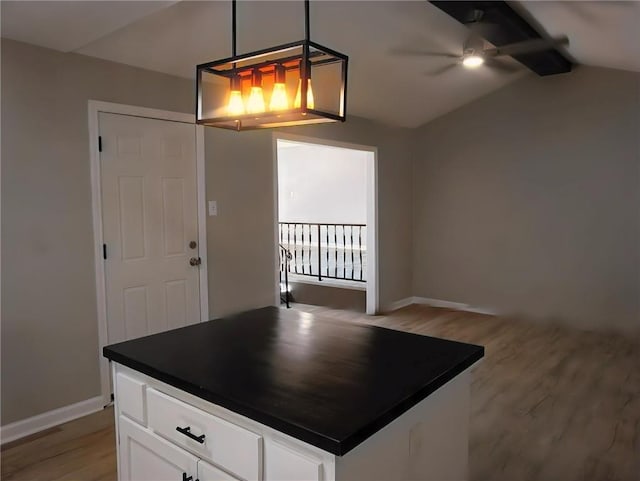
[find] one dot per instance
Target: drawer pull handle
(187, 432)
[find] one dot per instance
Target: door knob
(193, 245)
(195, 261)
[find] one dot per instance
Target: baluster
(353, 275)
(289, 236)
(335, 247)
(319, 255)
(344, 252)
(286, 285)
(309, 250)
(327, 226)
(303, 249)
(295, 247)
(280, 247)
(360, 246)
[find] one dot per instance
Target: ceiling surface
(602, 34)
(172, 37)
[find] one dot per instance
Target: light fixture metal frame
(281, 118)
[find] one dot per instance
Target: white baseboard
(459, 306)
(394, 306)
(25, 427)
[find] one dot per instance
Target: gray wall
(49, 328)
(528, 201)
(333, 297)
(240, 176)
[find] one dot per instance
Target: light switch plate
(213, 208)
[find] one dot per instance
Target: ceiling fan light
(472, 61)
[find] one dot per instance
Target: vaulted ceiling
(172, 37)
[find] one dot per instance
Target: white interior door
(150, 225)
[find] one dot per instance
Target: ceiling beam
(509, 27)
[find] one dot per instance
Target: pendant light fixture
(273, 87)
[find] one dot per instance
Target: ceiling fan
(476, 51)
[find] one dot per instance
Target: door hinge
(104, 251)
(99, 143)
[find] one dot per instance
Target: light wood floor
(80, 450)
(548, 404)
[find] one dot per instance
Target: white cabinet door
(147, 457)
(206, 472)
(283, 464)
(131, 398)
(150, 223)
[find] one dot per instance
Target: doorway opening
(326, 223)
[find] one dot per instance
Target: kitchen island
(276, 395)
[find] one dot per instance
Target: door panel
(131, 203)
(284, 464)
(176, 296)
(149, 203)
(136, 312)
(175, 241)
(147, 457)
(207, 472)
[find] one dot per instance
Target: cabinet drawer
(284, 464)
(131, 394)
(234, 448)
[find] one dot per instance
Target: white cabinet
(427, 443)
(147, 457)
(164, 435)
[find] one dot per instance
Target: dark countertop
(329, 383)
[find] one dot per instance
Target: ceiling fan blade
(442, 70)
(422, 53)
(498, 64)
(527, 46)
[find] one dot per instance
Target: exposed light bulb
(236, 104)
(310, 100)
(279, 99)
(255, 104)
(472, 61)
